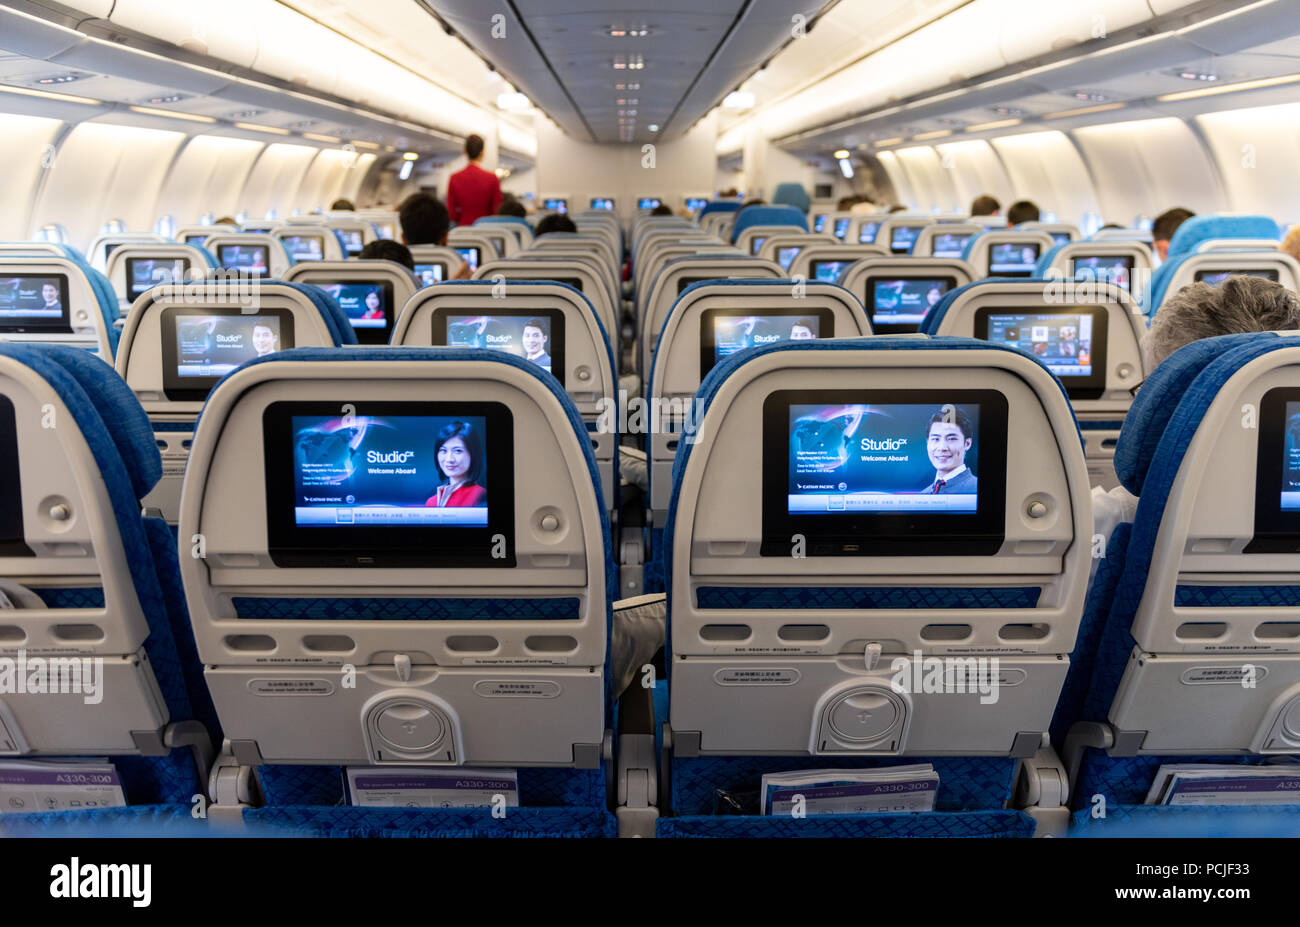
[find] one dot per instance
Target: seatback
(57, 300)
(132, 269)
(752, 216)
(945, 239)
(717, 223)
(708, 323)
(505, 241)
(89, 584)
(104, 245)
(827, 262)
(434, 263)
(475, 247)
(585, 278)
(1087, 333)
(352, 234)
(836, 611)
(863, 229)
(1007, 252)
(1127, 264)
(1197, 650)
(898, 232)
(576, 349)
(835, 223)
(603, 223)
(675, 277)
(656, 254)
(370, 292)
(198, 234)
(1213, 266)
(597, 245)
(258, 254)
(303, 242)
(173, 352)
(1062, 232)
(518, 227)
(1220, 225)
(899, 292)
(783, 248)
(1142, 235)
(792, 194)
(434, 623)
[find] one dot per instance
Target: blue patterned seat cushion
(169, 820)
(1188, 821)
(986, 824)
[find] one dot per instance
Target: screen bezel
(875, 230)
(1130, 264)
(284, 243)
(420, 278)
(824, 315)
(893, 232)
(948, 255)
(892, 328)
(60, 325)
(1092, 386)
(923, 534)
(196, 389)
(378, 547)
(478, 255)
(554, 315)
(130, 264)
(11, 493)
(1038, 253)
(373, 334)
(814, 265)
(221, 262)
(1276, 531)
(1263, 273)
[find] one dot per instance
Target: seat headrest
(87, 384)
(935, 316)
(768, 215)
(720, 206)
(792, 194)
(1157, 400)
(1203, 228)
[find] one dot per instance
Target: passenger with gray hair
(1239, 305)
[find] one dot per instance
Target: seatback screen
(535, 335)
(903, 238)
(827, 271)
(249, 259)
(901, 304)
(556, 205)
(144, 273)
(917, 472)
(1071, 342)
(602, 202)
(389, 484)
(34, 303)
(470, 256)
(819, 222)
(647, 202)
(195, 239)
(1215, 277)
(368, 306)
(723, 332)
(201, 345)
(949, 244)
(756, 244)
(1013, 260)
(429, 274)
(1277, 473)
(351, 240)
(841, 228)
(696, 203)
(785, 256)
(867, 232)
(304, 247)
(12, 543)
(1060, 238)
(1106, 268)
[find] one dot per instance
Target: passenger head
(748, 203)
(1163, 228)
(897, 207)
(343, 206)
(985, 205)
(663, 209)
(1291, 244)
(555, 222)
(802, 330)
(424, 219)
(846, 203)
(1202, 310)
(512, 207)
(385, 249)
(226, 220)
(474, 147)
(459, 453)
(1022, 211)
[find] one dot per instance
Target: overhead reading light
(937, 133)
(169, 114)
(1085, 111)
(409, 156)
(61, 79)
(841, 154)
(738, 99)
(48, 95)
(1229, 88)
(623, 86)
(254, 127)
(999, 124)
(322, 138)
(653, 128)
(620, 33)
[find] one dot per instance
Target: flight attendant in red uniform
(460, 463)
(472, 192)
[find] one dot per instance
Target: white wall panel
(903, 190)
(1148, 166)
(103, 172)
(1258, 151)
(1046, 167)
(274, 180)
(931, 182)
(207, 176)
(976, 170)
(25, 154)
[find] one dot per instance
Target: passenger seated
(386, 249)
(662, 210)
(555, 222)
(512, 207)
(1022, 211)
(425, 221)
(342, 205)
(1291, 243)
(1162, 230)
(1237, 305)
(985, 205)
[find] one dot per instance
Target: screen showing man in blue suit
(947, 442)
